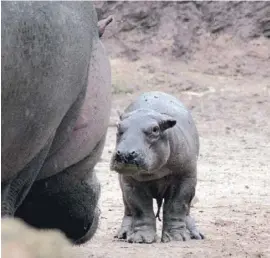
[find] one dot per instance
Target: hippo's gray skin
(156, 155)
(56, 98)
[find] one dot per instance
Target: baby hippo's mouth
(126, 165)
(127, 169)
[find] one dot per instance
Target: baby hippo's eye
(155, 129)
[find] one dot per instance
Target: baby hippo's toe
(176, 235)
(196, 235)
(191, 226)
(122, 233)
(147, 237)
(125, 229)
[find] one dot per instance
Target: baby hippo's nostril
(134, 154)
(126, 157)
(118, 156)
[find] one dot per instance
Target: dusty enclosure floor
(232, 115)
(215, 57)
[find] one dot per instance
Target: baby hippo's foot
(179, 234)
(138, 230)
(145, 235)
(195, 234)
(191, 226)
(125, 228)
(179, 231)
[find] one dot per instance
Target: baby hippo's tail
(159, 204)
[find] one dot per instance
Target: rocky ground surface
(215, 57)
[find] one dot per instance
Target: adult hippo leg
(67, 201)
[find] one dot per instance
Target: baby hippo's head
(142, 143)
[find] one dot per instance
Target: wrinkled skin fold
(56, 100)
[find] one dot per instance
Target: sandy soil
(232, 115)
(215, 59)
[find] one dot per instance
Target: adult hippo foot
(175, 235)
(147, 236)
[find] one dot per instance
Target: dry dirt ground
(232, 114)
(215, 59)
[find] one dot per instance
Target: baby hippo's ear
(124, 115)
(119, 115)
(166, 122)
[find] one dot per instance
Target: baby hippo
(156, 154)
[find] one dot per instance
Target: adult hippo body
(156, 154)
(56, 100)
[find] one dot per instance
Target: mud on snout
(128, 163)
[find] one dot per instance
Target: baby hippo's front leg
(176, 208)
(140, 204)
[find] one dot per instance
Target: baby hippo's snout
(126, 157)
(127, 161)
